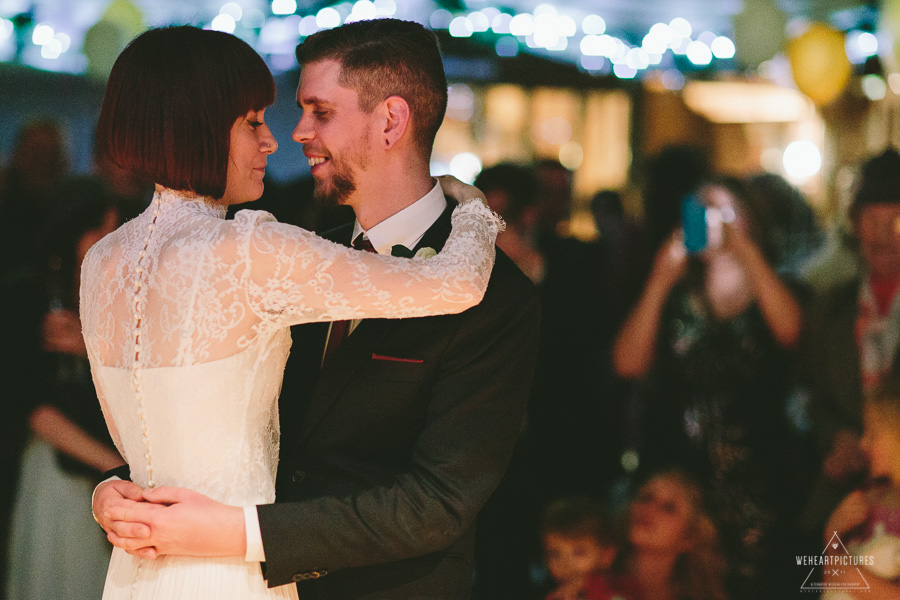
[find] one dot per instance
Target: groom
(396, 434)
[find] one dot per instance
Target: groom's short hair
(383, 58)
(171, 100)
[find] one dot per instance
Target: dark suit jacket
(406, 432)
(831, 356)
(832, 372)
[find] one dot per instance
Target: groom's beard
(342, 184)
(336, 191)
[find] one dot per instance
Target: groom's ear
(396, 120)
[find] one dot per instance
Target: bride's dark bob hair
(171, 100)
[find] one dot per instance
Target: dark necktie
(341, 329)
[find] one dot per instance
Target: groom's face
(336, 134)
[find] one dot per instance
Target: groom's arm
(476, 409)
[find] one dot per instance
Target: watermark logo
(836, 565)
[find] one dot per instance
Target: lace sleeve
(295, 276)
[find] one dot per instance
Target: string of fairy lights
(36, 35)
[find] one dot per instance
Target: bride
(186, 315)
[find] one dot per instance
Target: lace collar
(206, 205)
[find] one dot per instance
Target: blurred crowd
(704, 410)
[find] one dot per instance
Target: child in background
(867, 521)
(580, 545)
(672, 545)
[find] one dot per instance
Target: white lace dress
(186, 317)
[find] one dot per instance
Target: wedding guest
(792, 224)
(672, 548)
(853, 335)
(867, 521)
(711, 336)
(27, 200)
(674, 171)
(622, 239)
(580, 544)
(554, 199)
(46, 367)
(511, 191)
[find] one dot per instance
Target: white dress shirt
(404, 228)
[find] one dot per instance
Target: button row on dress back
(140, 303)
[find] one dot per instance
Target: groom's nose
(302, 132)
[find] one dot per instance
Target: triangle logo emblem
(852, 577)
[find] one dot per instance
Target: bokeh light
(460, 102)
(223, 22)
(327, 18)
(571, 155)
(723, 47)
(699, 53)
(593, 24)
(460, 27)
(522, 24)
(874, 87)
(507, 47)
(623, 71)
(802, 160)
(284, 7)
(672, 79)
(500, 23)
(479, 21)
(385, 8)
(440, 19)
(556, 130)
(233, 9)
(42, 34)
(681, 27)
(465, 166)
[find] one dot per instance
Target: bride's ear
(396, 121)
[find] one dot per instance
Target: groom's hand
(115, 493)
(179, 521)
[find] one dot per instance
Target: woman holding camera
(710, 336)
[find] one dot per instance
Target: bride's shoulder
(249, 217)
(106, 245)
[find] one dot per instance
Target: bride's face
(251, 144)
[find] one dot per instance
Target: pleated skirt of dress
(189, 578)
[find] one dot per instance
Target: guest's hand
(114, 494)
(179, 521)
(62, 333)
(670, 262)
(460, 191)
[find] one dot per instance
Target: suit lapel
(356, 350)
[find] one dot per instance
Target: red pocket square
(397, 359)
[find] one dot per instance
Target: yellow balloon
(819, 63)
